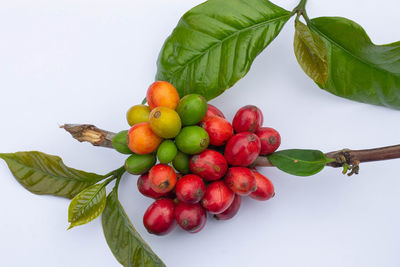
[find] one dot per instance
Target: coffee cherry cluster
(203, 160)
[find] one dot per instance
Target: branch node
(355, 168)
(346, 159)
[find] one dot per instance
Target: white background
(86, 61)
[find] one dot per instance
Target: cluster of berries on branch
(192, 160)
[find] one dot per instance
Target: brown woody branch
(346, 158)
(90, 133)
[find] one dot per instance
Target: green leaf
(299, 162)
(358, 69)
(45, 174)
(87, 205)
(310, 52)
(126, 244)
(215, 43)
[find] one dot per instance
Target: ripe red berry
(231, 211)
(248, 119)
(265, 189)
(240, 180)
(270, 140)
(218, 197)
(212, 111)
(219, 130)
(209, 164)
(162, 178)
(190, 217)
(190, 189)
(159, 217)
(143, 184)
(242, 149)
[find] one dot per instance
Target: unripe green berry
(181, 163)
(192, 108)
(139, 164)
(120, 143)
(192, 140)
(166, 151)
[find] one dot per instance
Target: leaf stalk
(300, 10)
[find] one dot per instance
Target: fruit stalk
(345, 157)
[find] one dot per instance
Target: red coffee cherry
(230, 212)
(270, 140)
(248, 119)
(143, 184)
(190, 189)
(209, 165)
(265, 189)
(219, 130)
(212, 111)
(240, 180)
(242, 149)
(218, 197)
(162, 178)
(190, 217)
(159, 217)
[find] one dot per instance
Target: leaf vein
(218, 43)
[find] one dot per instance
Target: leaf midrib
(128, 225)
(315, 52)
(350, 53)
(90, 200)
(77, 179)
(226, 38)
(303, 161)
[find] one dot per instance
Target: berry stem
(342, 158)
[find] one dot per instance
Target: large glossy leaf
(310, 52)
(87, 205)
(215, 43)
(300, 162)
(127, 245)
(45, 174)
(358, 69)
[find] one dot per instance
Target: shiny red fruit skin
(230, 212)
(159, 217)
(209, 165)
(265, 189)
(219, 130)
(190, 217)
(143, 184)
(212, 111)
(270, 140)
(218, 197)
(240, 180)
(248, 119)
(190, 189)
(162, 178)
(242, 149)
